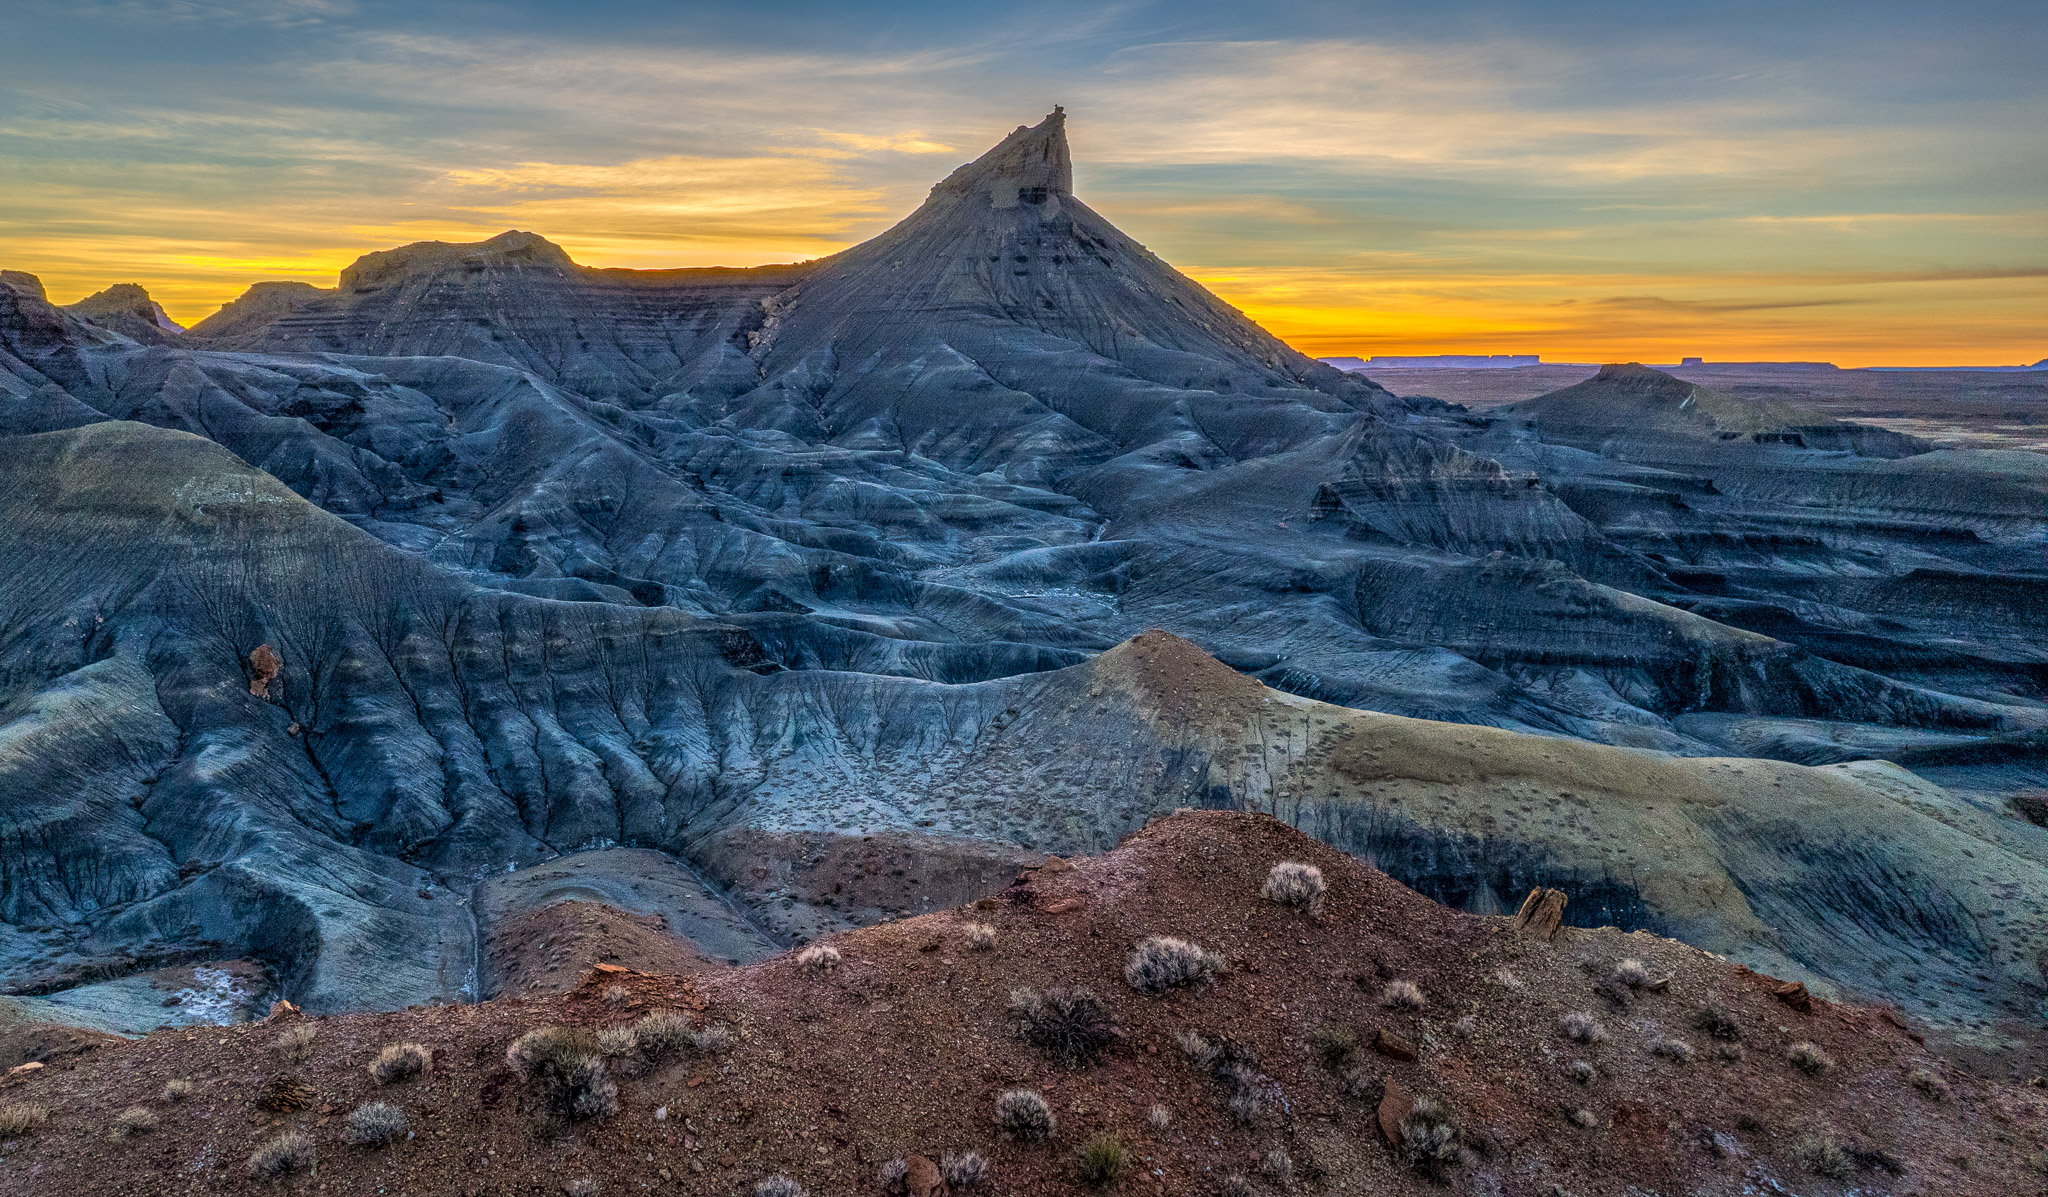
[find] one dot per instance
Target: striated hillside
(790, 599)
(1497, 1060)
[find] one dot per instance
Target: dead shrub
(373, 1123)
(1429, 1139)
(1678, 1051)
(400, 1062)
(1278, 1166)
(819, 957)
(1717, 1022)
(296, 1044)
(1822, 1155)
(135, 1120)
(1071, 1024)
(1809, 1058)
(565, 1069)
(284, 1093)
(1292, 883)
(292, 1151)
(963, 1169)
(1162, 963)
(1632, 973)
(1159, 1116)
(1023, 1115)
(779, 1186)
(1581, 1027)
(179, 1089)
(1403, 995)
(1337, 1045)
(1928, 1083)
(981, 937)
(1251, 1092)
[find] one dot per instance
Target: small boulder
(1395, 1106)
(923, 1179)
(1541, 914)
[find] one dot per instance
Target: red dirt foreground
(1383, 1016)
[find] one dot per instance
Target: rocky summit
(420, 639)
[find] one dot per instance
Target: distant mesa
(1439, 361)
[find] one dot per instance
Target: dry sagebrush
(400, 1062)
(374, 1122)
(566, 1068)
(292, 1151)
(1163, 962)
(1023, 1115)
(1292, 883)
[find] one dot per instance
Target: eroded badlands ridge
(1577, 1063)
(329, 607)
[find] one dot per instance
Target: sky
(1861, 183)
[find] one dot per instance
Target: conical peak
(1029, 166)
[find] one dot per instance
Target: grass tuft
(1101, 1160)
(1822, 1155)
(778, 1186)
(1337, 1045)
(179, 1089)
(981, 937)
(18, 1118)
(819, 957)
(1403, 995)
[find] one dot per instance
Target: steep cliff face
(746, 565)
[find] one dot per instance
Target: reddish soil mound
(901, 1049)
(549, 949)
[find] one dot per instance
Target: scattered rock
(1388, 1043)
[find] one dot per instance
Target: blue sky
(1867, 183)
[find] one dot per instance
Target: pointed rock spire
(1031, 165)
